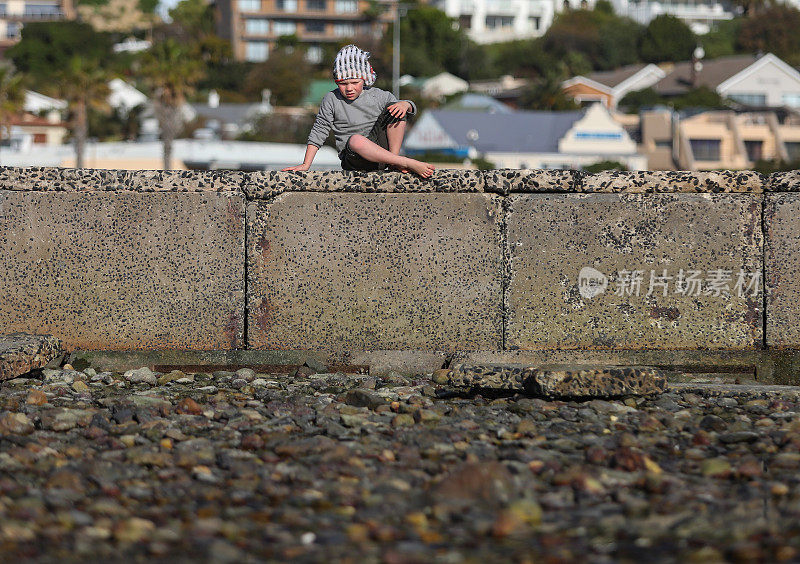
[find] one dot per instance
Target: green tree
(774, 30)
(721, 41)
(172, 73)
(195, 22)
(667, 39)
(12, 97)
(84, 85)
(606, 40)
(547, 94)
(431, 42)
(522, 58)
(634, 101)
(48, 46)
(286, 74)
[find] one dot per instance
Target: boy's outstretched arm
(311, 152)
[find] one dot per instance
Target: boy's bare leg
(394, 135)
(377, 154)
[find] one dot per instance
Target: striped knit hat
(352, 62)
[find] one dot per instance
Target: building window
(286, 5)
(256, 51)
(41, 10)
(465, 21)
(284, 28)
(315, 26)
(792, 100)
(12, 30)
(535, 22)
(314, 54)
(498, 22)
(316, 5)
(2, 10)
(755, 150)
(750, 99)
(249, 5)
(344, 29)
(793, 148)
(705, 149)
(345, 6)
(256, 27)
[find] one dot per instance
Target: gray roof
(614, 77)
(516, 132)
(713, 73)
(478, 103)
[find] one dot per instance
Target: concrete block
(634, 271)
(784, 181)
(508, 180)
(124, 270)
(360, 272)
(405, 362)
(21, 353)
(54, 179)
(658, 181)
(782, 269)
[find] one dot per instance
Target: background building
(16, 13)
(254, 26)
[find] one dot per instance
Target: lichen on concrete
(20, 353)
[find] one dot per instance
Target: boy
(368, 123)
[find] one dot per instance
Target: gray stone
(556, 241)
(337, 272)
(21, 353)
(124, 270)
(782, 269)
(142, 374)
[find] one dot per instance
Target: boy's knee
(357, 142)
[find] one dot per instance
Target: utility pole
(396, 51)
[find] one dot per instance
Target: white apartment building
(493, 21)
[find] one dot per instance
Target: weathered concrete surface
(55, 179)
(562, 381)
(784, 181)
(124, 270)
(613, 240)
(375, 272)
(268, 184)
(654, 181)
(782, 269)
(21, 353)
(405, 362)
(507, 180)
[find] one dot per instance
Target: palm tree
(12, 97)
(172, 71)
(84, 85)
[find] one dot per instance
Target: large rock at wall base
(634, 271)
(561, 381)
(350, 272)
(21, 353)
(124, 270)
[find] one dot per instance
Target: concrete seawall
(508, 261)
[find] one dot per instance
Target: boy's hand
(399, 109)
(296, 167)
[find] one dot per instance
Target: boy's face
(351, 88)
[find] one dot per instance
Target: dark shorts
(353, 161)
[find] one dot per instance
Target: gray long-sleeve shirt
(348, 118)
